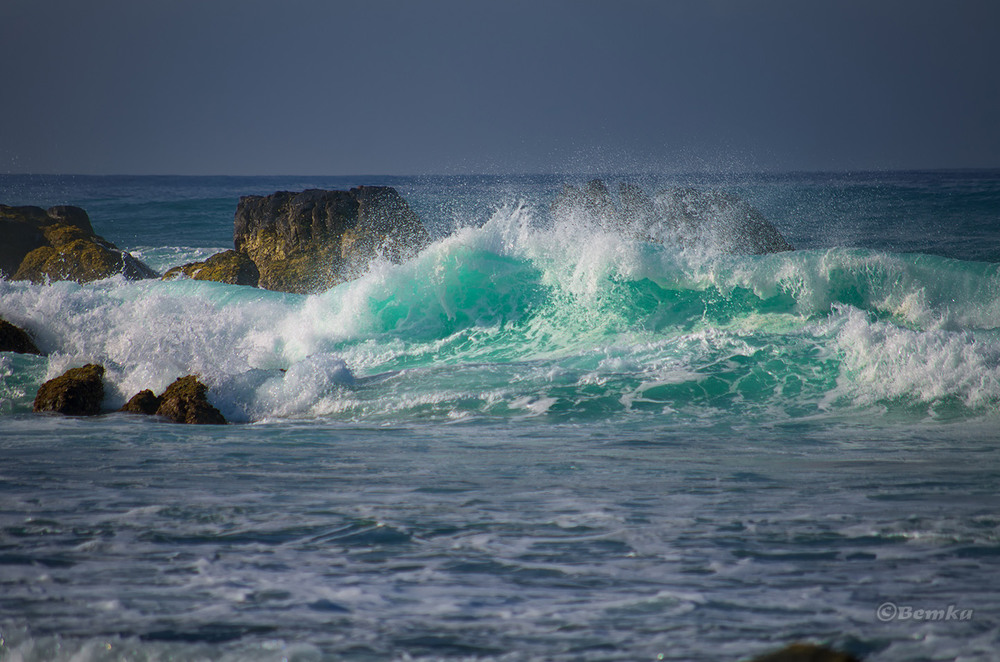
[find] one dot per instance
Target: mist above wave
(535, 313)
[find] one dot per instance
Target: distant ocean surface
(536, 440)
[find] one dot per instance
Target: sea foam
(585, 320)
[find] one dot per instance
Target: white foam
(524, 287)
(883, 361)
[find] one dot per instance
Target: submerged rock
(186, 401)
(60, 244)
(686, 217)
(77, 392)
(230, 267)
(16, 339)
(805, 653)
(309, 241)
(143, 402)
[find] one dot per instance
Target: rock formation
(227, 267)
(309, 241)
(16, 339)
(686, 217)
(805, 653)
(78, 392)
(60, 244)
(143, 402)
(184, 401)
(717, 219)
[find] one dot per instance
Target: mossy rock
(303, 272)
(185, 401)
(16, 339)
(77, 260)
(143, 402)
(70, 215)
(805, 653)
(77, 392)
(21, 229)
(60, 235)
(80, 259)
(229, 267)
(59, 244)
(309, 241)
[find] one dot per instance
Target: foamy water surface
(538, 439)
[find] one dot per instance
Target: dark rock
(686, 217)
(227, 267)
(185, 401)
(16, 339)
(21, 229)
(60, 244)
(143, 402)
(718, 220)
(806, 653)
(78, 392)
(309, 241)
(590, 204)
(74, 216)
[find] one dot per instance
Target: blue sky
(434, 86)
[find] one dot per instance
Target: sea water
(537, 439)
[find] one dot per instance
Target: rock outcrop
(806, 653)
(143, 402)
(77, 392)
(186, 401)
(15, 339)
(686, 217)
(309, 241)
(230, 267)
(60, 244)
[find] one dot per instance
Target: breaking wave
(530, 315)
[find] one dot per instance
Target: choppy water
(538, 439)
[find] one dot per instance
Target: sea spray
(520, 300)
(537, 438)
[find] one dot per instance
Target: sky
(411, 87)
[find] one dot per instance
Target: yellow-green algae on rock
(60, 244)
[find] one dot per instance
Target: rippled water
(536, 440)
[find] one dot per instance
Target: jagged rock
(77, 392)
(60, 244)
(16, 339)
(185, 401)
(805, 653)
(717, 220)
(309, 241)
(73, 216)
(686, 217)
(227, 267)
(592, 203)
(21, 229)
(143, 402)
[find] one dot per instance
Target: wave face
(528, 315)
(544, 437)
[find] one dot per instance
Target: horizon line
(592, 173)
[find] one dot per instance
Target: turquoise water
(535, 440)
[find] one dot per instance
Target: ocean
(535, 440)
